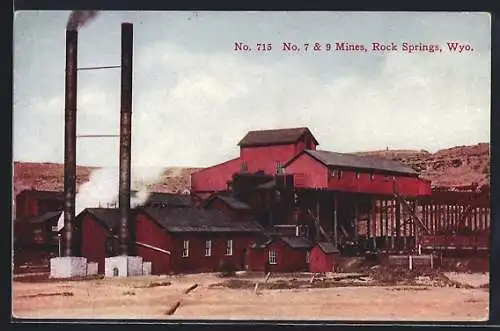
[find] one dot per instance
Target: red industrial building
(286, 180)
(293, 151)
(259, 151)
(197, 239)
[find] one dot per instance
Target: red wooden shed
(279, 254)
(323, 257)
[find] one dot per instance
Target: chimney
(125, 136)
(70, 139)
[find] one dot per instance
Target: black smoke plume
(80, 18)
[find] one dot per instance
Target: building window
(358, 175)
(334, 173)
(208, 248)
(387, 178)
(339, 174)
(372, 177)
(229, 248)
(280, 170)
(308, 256)
(185, 249)
(272, 257)
(244, 167)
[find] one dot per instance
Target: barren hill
(458, 166)
(50, 177)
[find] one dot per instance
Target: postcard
(251, 165)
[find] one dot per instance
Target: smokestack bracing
(125, 136)
(70, 139)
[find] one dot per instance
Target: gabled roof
(342, 160)
(327, 247)
(46, 217)
(297, 242)
(199, 220)
(169, 199)
(229, 200)
(277, 136)
(109, 217)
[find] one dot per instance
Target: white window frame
(208, 248)
(358, 175)
(185, 248)
(339, 176)
(273, 257)
(372, 177)
(229, 247)
(308, 256)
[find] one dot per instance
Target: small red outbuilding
(98, 225)
(323, 257)
(279, 254)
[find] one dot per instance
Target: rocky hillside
(50, 177)
(449, 168)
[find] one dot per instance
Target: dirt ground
(417, 297)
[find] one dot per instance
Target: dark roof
(46, 217)
(333, 159)
(53, 195)
(170, 199)
(199, 220)
(297, 242)
(109, 217)
(261, 243)
(327, 247)
(277, 136)
(233, 202)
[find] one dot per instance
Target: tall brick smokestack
(125, 136)
(70, 139)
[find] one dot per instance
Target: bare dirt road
(236, 298)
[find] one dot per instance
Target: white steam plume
(102, 188)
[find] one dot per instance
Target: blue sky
(195, 97)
